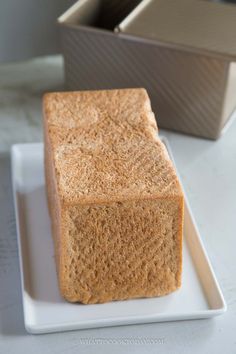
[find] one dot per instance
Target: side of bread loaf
(115, 202)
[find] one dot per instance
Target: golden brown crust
(102, 173)
(112, 191)
(113, 260)
(108, 115)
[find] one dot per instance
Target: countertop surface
(208, 173)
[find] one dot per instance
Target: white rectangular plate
(45, 310)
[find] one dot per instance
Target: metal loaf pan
(181, 51)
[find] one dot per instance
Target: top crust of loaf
(103, 173)
(106, 147)
(106, 115)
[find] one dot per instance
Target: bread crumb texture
(115, 201)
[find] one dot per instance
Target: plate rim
(118, 321)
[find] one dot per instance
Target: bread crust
(106, 166)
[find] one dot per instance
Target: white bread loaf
(115, 201)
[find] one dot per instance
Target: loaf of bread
(115, 201)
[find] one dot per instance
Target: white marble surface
(208, 171)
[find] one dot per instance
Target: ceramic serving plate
(44, 309)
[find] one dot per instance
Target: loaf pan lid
(197, 25)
